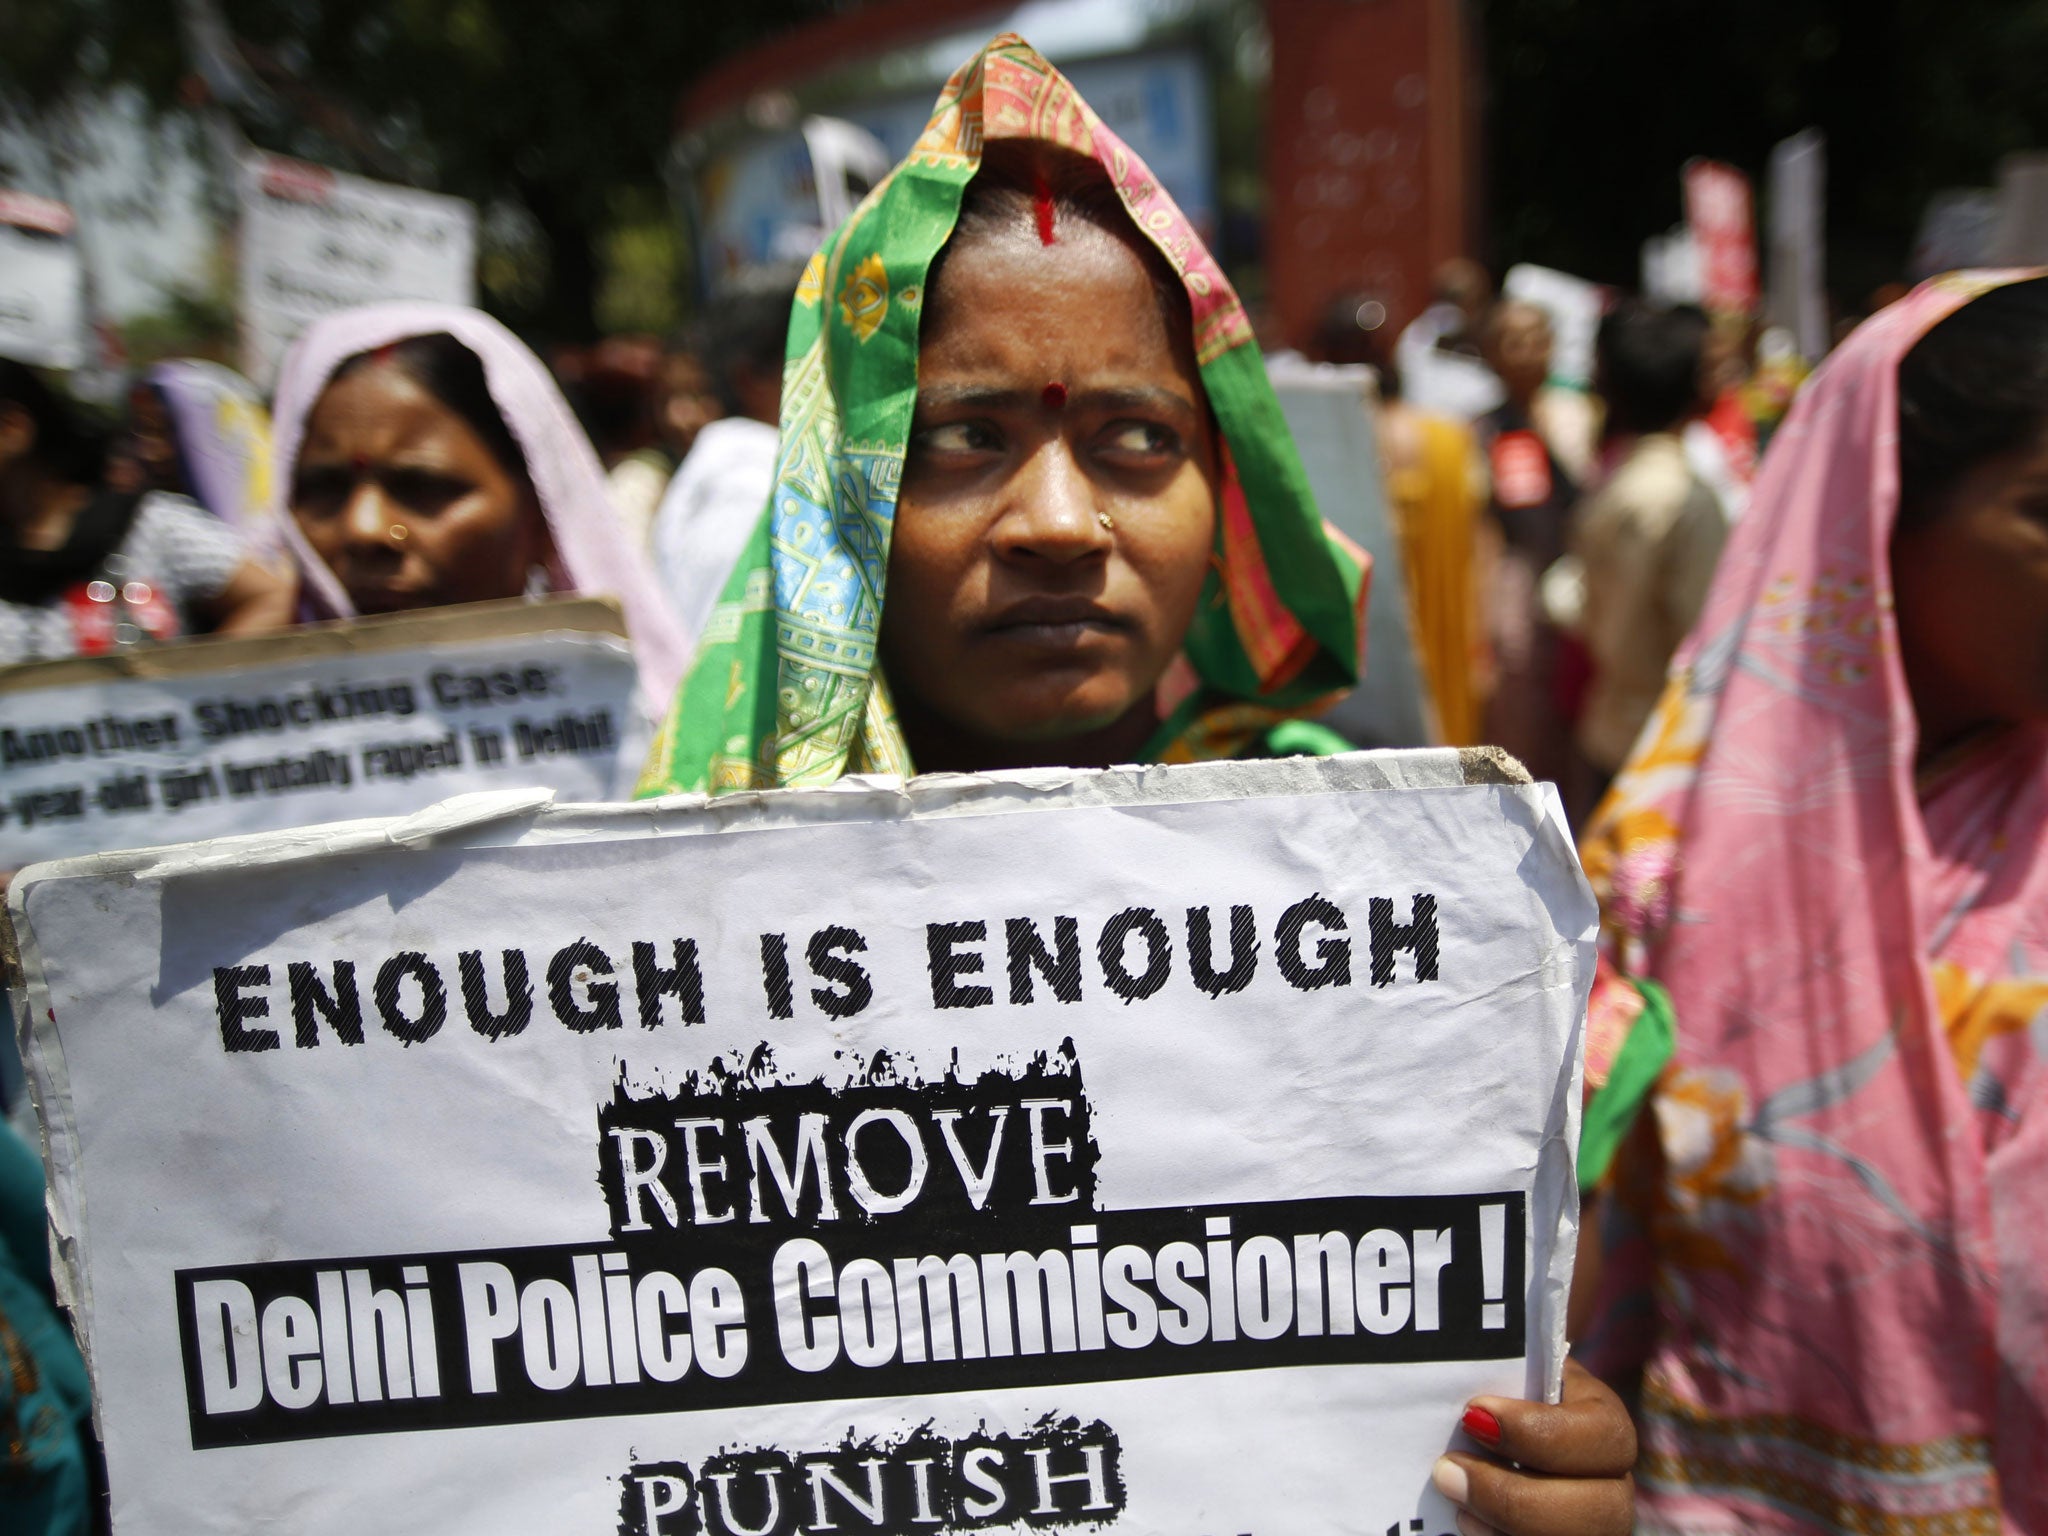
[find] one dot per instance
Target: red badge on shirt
(98, 609)
(1731, 424)
(1521, 470)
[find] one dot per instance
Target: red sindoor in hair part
(1042, 203)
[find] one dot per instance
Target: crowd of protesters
(1795, 703)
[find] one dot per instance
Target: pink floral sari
(1849, 1329)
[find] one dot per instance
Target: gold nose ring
(398, 533)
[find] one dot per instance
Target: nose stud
(1106, 520)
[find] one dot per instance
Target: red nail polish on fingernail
(1481, 1425)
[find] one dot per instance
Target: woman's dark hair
(1649, 361)
(747, 330)
(1005, 195)
(65, 444)
(1344, 336)
(1973, 387)
(453, 375)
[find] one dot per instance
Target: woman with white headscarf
(426, 458)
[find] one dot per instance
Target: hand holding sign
(1581, 1450)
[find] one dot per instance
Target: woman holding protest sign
(1023, 402)
(426, 458)
(1825, 859)
(86, 569)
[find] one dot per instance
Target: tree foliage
(55, 48)
(563, 109)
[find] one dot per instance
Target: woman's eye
(423, 490)
(959, 437)
(1144, 438)
(319, 490)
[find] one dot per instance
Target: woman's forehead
(1085, 306)
(380, 408)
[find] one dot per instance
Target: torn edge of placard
(859, 797)
(48, 1079)
(532, 815)
(1557, 1159)
(600, 620)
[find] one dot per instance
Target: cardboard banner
(1671, 268)
(374, 717)
(1574, 306)
(846, 162)
(42, 282)
(1720, 217)
(315, 240)
(1157, 1148)
(1958, 228)
(2020, 237)
(1797, 298)
(1332, 413)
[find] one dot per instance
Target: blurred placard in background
(316, 240)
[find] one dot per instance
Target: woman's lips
(383, 599)
(1057, 637)
(1055, 623)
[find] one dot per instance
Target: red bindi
(358, 462)
(1055, 395)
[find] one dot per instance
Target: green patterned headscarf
(786, 688)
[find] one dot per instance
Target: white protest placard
(1796, 297)
(2021, 235)
(1957, 229)
(374, 717)
(42, 282)
(315, 240)
(1671, 268)
(846, 161)
(1574, 306)
(1166, 1149)
(1332, 413)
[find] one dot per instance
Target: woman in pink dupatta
(584, 547)
(1828, 848)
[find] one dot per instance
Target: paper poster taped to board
(1722, 222)
(1162, 1150)
(1332, 413)
(315, 240)
(372, 717)
(42, 282)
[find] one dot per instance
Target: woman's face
(1519, 350)
(689, 401)
(405, 503)
(1057, 509)
(1970, 584)
(152, 439)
